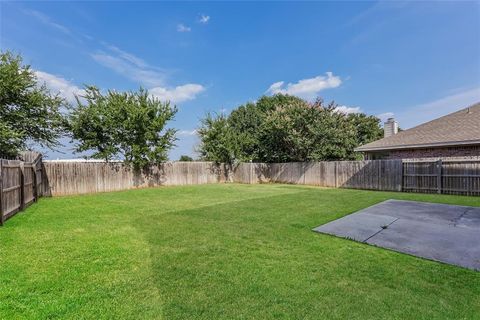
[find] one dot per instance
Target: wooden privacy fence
(68, 177)
(22, 182)
(447, 176)
(63, 178)
(371, 174)
(460, 177)
(20, 185)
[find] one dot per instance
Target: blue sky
(413, 60)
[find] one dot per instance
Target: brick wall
(466, 151)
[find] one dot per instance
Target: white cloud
(125, 67)
(183, 28)
(306, 88)
(68, 90)
(60, 85)
(178, 94)
(384, 116)
(47, 21)
(204, 19)
(276, 87)
(127, 56)
(348, 110)
(187, 132)
(151, 77)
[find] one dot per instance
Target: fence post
(402, 178)
(379, 175)
(335, 171)
(22, 186)
(439, 176)
(251, 173)
(34, 182)
(1, 193)
(41, 184)
(304, 169)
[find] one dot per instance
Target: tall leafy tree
(185, 158)
(284, 134)
(302, 131)
(29, 112)
(284, 128)
(218, 140)
(248, 122)
(367, 127)
(131, 126)
(245, 123)
(270, 103)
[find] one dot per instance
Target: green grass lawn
(218, 252)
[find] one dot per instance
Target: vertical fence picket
(1, 193)
(21, 178)
(439, 176)
(34, 182)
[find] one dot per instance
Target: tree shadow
(150, 176)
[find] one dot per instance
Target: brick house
(454, 135)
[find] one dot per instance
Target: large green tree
(131, 126)
(245, 123)
(301, 131)
(367, 127)
(185, 158)
(218, 140)
(284, 128)
(29, 112)
(249, 124)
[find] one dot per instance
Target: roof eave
(418, 146)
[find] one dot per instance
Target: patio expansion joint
(457, 219)
(382, 229)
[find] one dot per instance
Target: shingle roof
(458, 128)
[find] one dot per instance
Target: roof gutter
(418, 146)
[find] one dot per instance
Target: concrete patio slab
(357, 226)
(440, 232)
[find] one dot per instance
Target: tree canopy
(218, 142)
(367, 127)
(123, 125)
(185, 158)
(284, 128)
(29, 112)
